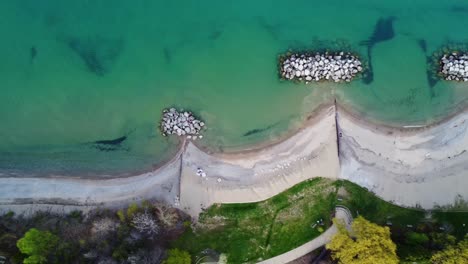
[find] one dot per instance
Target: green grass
(253, 231)
(360, 201)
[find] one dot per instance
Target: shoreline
(267, 169)
(309, 118)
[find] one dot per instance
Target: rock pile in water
(336, 67)
(181, 123)
(454, 67)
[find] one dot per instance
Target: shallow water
(79, 71)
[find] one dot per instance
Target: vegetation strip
(241, 233)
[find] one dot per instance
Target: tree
(167, 216)
(368, 244)
(38, 245)
(177, 256)
(452, 254)
(145, 223)
(104, 226)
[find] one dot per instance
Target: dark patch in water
(459, 9)
(431, 71)
(258, 130)
(167, 55)
(109, 145)
(32, 54)
(114, 142)
(216, 34)
(253, 131)
(271, 29)
(383, 31)
(423, 45)
(98, 54)
(431, 80)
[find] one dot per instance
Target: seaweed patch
(383, 31)
(431, 79)
(259, 130)
(423, 45)
(167, 55)
(32, 54)
(98, 53)
(109, 145)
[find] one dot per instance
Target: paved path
(340, 213)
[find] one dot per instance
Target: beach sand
(414, 167)
(259, 174)
(407, 166)
(61, 194)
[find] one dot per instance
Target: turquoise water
(73, 72)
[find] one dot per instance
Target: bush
(37, 245)
(414, 238)
(177, 256)
(121, 215)
(132, 209)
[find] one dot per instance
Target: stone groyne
(308, 67)
(454, 67)
(182, 123)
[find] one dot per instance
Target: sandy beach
(407, 166)
(259, 174)
(26, 195)
(413, 166)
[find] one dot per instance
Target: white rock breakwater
(454, 67)
(337, 67)
(181, 123)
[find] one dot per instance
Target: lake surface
(75, 72)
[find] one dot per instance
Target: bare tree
(168, 216)
(145, 223)
(104, 226)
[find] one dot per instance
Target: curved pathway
(341, 213)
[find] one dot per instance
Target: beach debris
(308, 67)
(454, 67)
(181, 123)
(201, 173)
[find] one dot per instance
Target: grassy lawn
(253, 231)
(360, 201)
